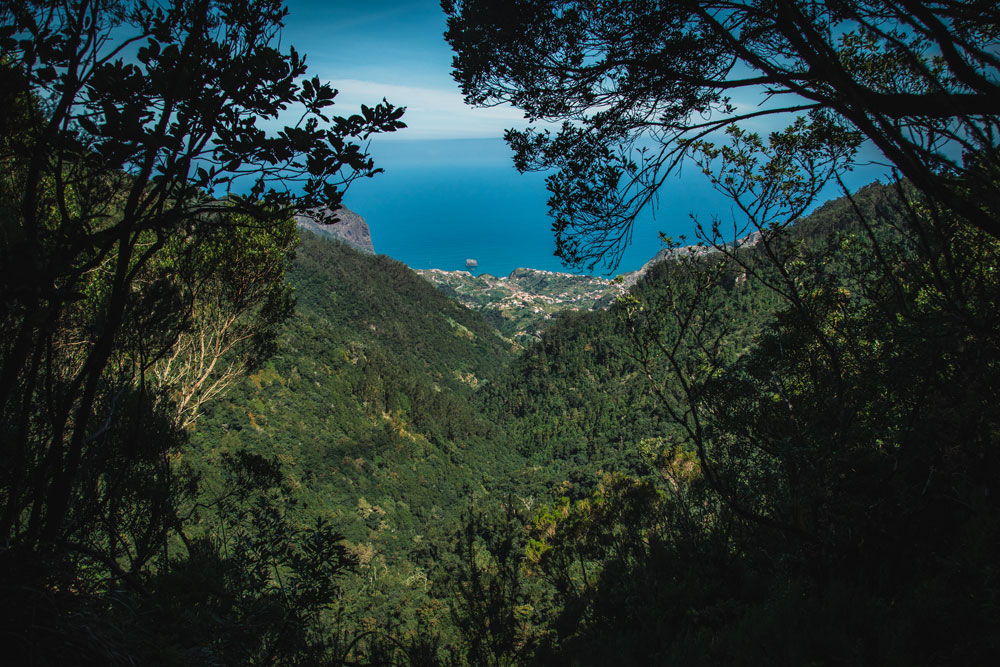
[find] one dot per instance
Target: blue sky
(449, 191)
(370, 49)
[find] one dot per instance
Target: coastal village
(522, 303)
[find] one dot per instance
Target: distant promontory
(351, 228)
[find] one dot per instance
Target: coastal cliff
(351, 228)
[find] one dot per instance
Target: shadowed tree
(636, 82)
(128, 121)
(845, 453)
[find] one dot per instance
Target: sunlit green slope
(366, 403)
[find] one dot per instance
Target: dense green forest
(366, 409)
(225, 443)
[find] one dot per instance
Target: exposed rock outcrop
(351, 228)
(632, 277)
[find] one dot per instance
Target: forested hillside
(366, 409)
(369, 389)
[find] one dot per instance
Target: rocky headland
(351, 228)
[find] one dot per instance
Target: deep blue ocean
(442, 202)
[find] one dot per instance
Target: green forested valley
(227, 441)
(551, 505)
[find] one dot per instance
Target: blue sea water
(444, 201)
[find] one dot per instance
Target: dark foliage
(131, 294)
(637, 82)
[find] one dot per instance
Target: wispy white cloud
(435, 112)
(431, 113)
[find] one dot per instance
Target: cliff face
(351, 229)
